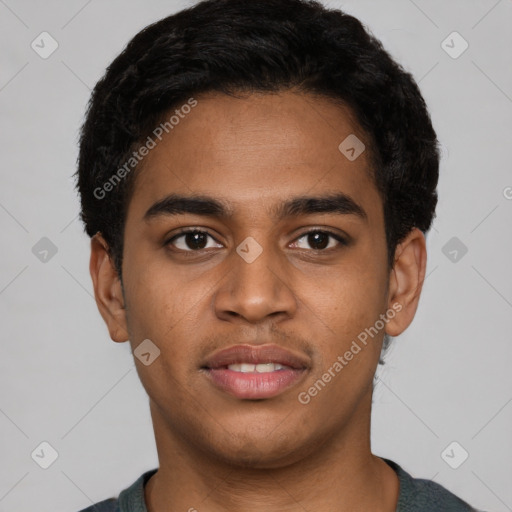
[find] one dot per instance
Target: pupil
(316, 239)
(198, 240)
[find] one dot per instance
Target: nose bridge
(256, 266)
(256, 286)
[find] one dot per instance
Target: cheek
(157, 304)
(353, 298)
(347, 354)
(158, 309)
(349, 351)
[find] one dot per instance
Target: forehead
(252, 151)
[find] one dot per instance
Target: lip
(254, 385)
(255, 354)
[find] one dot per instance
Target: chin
(262, 452)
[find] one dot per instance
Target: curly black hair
(240, 46)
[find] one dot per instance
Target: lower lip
(254, 385)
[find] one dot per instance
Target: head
(253, 121)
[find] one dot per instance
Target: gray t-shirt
(416, 495)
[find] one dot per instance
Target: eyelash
(342, 241)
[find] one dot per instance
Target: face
(293, 282)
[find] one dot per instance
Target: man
(257, 179)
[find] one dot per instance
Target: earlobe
(406, 281)
(107, 289)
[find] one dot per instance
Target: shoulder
(110, 505)
(130, 499)
(424, 495)
(420, 495)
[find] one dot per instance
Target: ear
(107, 289)
(406, 281)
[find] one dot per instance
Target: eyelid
(343, 240)
(185, 231)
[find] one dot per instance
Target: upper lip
(252, 354)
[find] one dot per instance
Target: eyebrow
(174, 204)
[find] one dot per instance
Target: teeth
(257, 368)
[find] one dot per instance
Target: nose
(256, 289)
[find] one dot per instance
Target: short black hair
(240, 46)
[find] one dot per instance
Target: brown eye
(320, 240)
(192, 240)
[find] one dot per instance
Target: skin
(217, 452)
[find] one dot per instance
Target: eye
(320, 240)
(191, 240)
(194, 240)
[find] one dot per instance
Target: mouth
(255, 372)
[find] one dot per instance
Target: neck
(340, 474)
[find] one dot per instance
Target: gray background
(65, 382)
